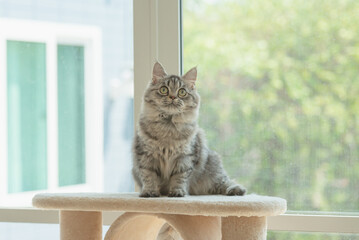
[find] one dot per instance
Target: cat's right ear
(158, 72)
(190, 77)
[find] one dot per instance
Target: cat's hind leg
(225, 186)
(235, 189)
(222, 184)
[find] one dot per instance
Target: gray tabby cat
(170, 154)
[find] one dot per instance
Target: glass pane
(279, 82)
(310, 236)
(71, 116)
(26, 87)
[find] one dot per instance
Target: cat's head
(172, 94)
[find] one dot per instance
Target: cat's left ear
(190, 77)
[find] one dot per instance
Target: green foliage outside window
(279, 81)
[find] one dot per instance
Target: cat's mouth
(172, 103)
(173, 107)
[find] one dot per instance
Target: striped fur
(170, 154)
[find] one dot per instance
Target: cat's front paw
(236, 190)
(177, 193)
(148, 193)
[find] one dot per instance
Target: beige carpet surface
(207, 205)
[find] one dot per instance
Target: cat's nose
(172, 97)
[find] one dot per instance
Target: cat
(170, 154)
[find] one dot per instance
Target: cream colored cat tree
(193, 217)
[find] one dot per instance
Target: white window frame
(157, 37)
(52, 34)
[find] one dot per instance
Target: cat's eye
(164, 90)
(182, 93)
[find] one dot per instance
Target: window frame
(157, 36)
(52, 35)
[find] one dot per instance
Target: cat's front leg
(178, 186)
(150, 183)
(179, 179)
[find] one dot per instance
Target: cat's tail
(167, 232)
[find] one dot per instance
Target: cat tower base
(209, 217)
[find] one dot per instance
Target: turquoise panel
(26, 88)
(71, 115)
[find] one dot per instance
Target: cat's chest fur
(166, 154)
(166, 159)
(167, 143)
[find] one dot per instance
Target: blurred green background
(279, 82)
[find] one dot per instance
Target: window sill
(286, 222)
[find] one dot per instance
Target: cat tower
(193, 217)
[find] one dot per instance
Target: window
(78, 60)
(49, 128)
(279, 85)
(79, 64)
(229, 41)
(280, 98)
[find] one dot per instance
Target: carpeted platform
(207, 205)
(193, 217)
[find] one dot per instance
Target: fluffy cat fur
(170, 154)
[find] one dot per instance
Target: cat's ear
(158, 72)
(190, 77)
